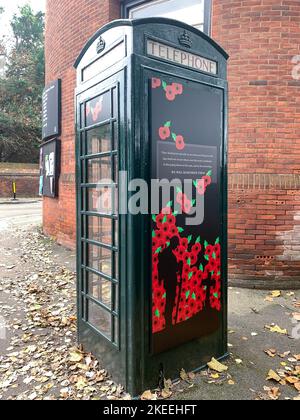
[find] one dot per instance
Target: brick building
(262, 38)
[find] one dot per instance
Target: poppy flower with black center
(192, 305)
(155, 277)
(187, 206)
(179, 198)
(154, 242)
(160, 236)
(170, 93)
(159, 220)
(201, 187)
(180, 144)
(196, 248)
(156, 83)
(200, 275)
(194, 258)
(164, 133)
(171, 219)
(178, 88)
(173, 230)
(209, 250)
(207, 180)
(195, 283)
(155, 259)
(184, 243)
(166, 228)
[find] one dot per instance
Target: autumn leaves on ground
(40, 359)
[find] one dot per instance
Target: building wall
(26, 177)
(69, 24)
(262, 37)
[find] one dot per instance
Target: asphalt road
(24, 214)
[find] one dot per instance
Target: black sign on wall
(52, 110)
(49, 168)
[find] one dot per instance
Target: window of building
(193, 12)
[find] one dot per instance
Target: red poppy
(201, 187)
(196, 248)
(184, 243)
(156, 83)
(164, 133)
(179, 198)
(180, 144)
(166, 211)
(170, 93)
(166, 228)
(187, 206)
(207, 180)
(209, 250)
(178, 88)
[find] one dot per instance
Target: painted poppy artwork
(187, 289)
(98, 109)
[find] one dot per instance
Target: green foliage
(21, 89)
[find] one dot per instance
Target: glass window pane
(100, 230)
(100, 200)
(116, 137)
(116, 264)
(116, 326)
(116, 238)
(115, 103)
(99, 140)
(116, 169)
(99, 170)
(100, 289)
(100, 319)
(188, 11)
(98, 110)
(100, 259)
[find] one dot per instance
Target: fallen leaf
(184, 375)
(238, 361)
(148, 396)
(166, 393)
(192, 376)
(76, 356)
(217, 366)
(296, 316)
(273, 376)
(231, 382)
(297, 386)
(271, 352)
(277, 329)
(292, 380)
(276, 294)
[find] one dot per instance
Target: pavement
(21, 213)
(25, 255)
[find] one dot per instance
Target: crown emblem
(185, 40)
(101, 45)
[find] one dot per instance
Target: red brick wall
(25, 176)
(69, 24)
(262, 37)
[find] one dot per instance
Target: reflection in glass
(99, 170)
(100, 259)
(100, 289)
(99, 140)
(99, 318)
(98, 110)
(100, 230)
(100, 200)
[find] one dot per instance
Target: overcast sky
(11, 7)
